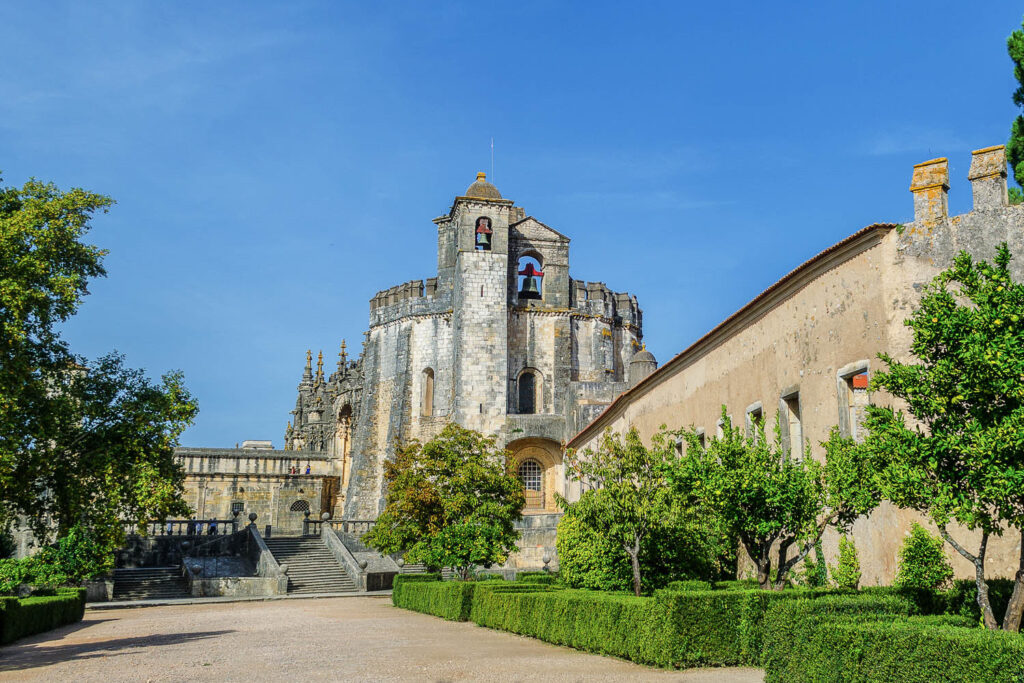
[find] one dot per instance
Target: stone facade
(479, 345)
(502, 340)
(805, 347)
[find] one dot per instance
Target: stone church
(502, 340)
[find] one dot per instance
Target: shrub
(451, 600)
(789, 626)
(888, 647)
(686, 586)
(922, 561)
(28, 616)
(537, 577)
(846, 573)
(962, 598)
(925, 600)
(815, 571)
(722, 628)
(619, 625)
(736, 585)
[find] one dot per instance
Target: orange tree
(451, 502)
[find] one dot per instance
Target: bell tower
(478, 235)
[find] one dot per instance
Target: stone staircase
(149, 583)
(311, 566)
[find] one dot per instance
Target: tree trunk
(634, 558)
(764, 572)
(979, 575)
(1015, 608)
(782, 566)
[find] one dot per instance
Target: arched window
(300, 506)
(529, 392)
(531, 474)
(530, 273)
(427, 403)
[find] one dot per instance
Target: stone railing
(185, 527)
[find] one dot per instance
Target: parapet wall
(594, 298)
(416, 297)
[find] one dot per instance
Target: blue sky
(276, 164)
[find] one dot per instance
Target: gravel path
(359, 639)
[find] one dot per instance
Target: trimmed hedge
(686, 586)
(537, 577)
(620, 625)
(789, 627)
(29, 616)
(873, 640)
(451, 600)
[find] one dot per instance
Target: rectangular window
(720, 428)
(790, 424)
(701, 438)
(755, 419)
(679, 445)
(237, 508)
(852, 384)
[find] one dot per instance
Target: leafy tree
(846, 573)
(451, 502)
(1015, 146)
(635, 498)
(679, 547)
(81, 444)
(923, 562)
(963, 459)
(768, 499)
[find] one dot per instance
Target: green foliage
(1015, 196)
(687, 586)
(537, 577)
(769, 499)
(965, 462)
(962, 598)
(451, 502)
(74, 558)
(1015, 145)
(675, 548)
(449, 600)
(906, 649)
(846, 573)
(28, 616)
(791, 629)
(636, 513)
(922, 561)
(619, 625)
(815, 571)
(88, 443)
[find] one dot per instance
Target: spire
(307, 374)
(320, 368)
(342, 357)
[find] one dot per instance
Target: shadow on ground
(27, 655)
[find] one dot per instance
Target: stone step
(311, 566)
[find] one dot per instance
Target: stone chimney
(988, 177)
(641, 365)
(930, 186)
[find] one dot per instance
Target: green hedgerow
(923, 562)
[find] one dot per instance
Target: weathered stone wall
(801, 339)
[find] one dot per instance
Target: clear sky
(276, 164)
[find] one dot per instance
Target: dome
(482, 189)
(643, 356)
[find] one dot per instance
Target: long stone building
(805, 347)
(502, 340)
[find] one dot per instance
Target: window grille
(530, 473)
